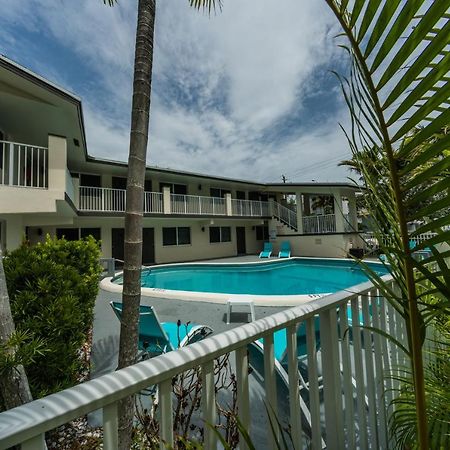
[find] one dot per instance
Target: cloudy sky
(246, 92)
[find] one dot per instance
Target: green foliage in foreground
(52, 288)
(437, 388)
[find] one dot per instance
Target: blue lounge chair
(420, 254)
(267, 250)
(156, 338)
(256, 355)
(285, 250)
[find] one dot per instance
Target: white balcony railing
(285, 215)
(99, 199)
(372, 241)
(249, 208)
(195, 204)
(23, 165)
(319, 224)
(153, 202)
(347, 391)
(114, 200)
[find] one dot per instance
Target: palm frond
(397, 92)
(207, 5)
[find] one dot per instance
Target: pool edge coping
(221, 298)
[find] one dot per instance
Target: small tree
(53, 288)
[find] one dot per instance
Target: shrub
(52, 288)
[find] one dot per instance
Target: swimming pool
(297, 277)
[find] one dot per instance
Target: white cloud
(220, 82)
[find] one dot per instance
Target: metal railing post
(331, 380)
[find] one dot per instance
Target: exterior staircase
(285, 216)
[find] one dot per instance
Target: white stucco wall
(200, 247)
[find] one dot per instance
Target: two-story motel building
(49, 184)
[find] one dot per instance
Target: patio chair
(256, 359)
(156, 338)
(267, 250)
(281, 361)
(285, 250)
(419, 254)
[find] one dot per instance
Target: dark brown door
(240, 241)
(117, 239)
(148, 246)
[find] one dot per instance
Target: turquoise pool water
(291, 277)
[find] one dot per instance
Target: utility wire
(317, 166)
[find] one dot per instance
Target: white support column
(35, 443)
(166, 200)
(57, 164)
(11, 163)
(332, 390)
(338, 213)
(298, 201)
(209, 403)
(271, 388)
(243, 398)
(110, 427)
(228, 205)
(352, 212)
(294, 391)
(166, 424)
(76, 188)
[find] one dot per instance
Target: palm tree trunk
(134, 208)
(14, 388)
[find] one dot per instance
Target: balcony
(250, 208)
(23, 165)
(319, 224)
(113, 200)
(110, 200)
(345, 402)
(197, 205)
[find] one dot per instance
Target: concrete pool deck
(106, 326)
(105, 342)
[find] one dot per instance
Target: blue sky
(244, 93)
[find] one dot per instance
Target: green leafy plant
(397, 93)
(52, 288)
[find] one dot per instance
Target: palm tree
(131, 296)
(398, 81)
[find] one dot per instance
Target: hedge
(52, 288)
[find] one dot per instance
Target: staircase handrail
(284, 214)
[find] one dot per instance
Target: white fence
(195, 204)
(285, 215)
(153, 202)
(372, 242)
(114, 200)
(319, 224)
(347, 391)
(249, 208)
(23, 165)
